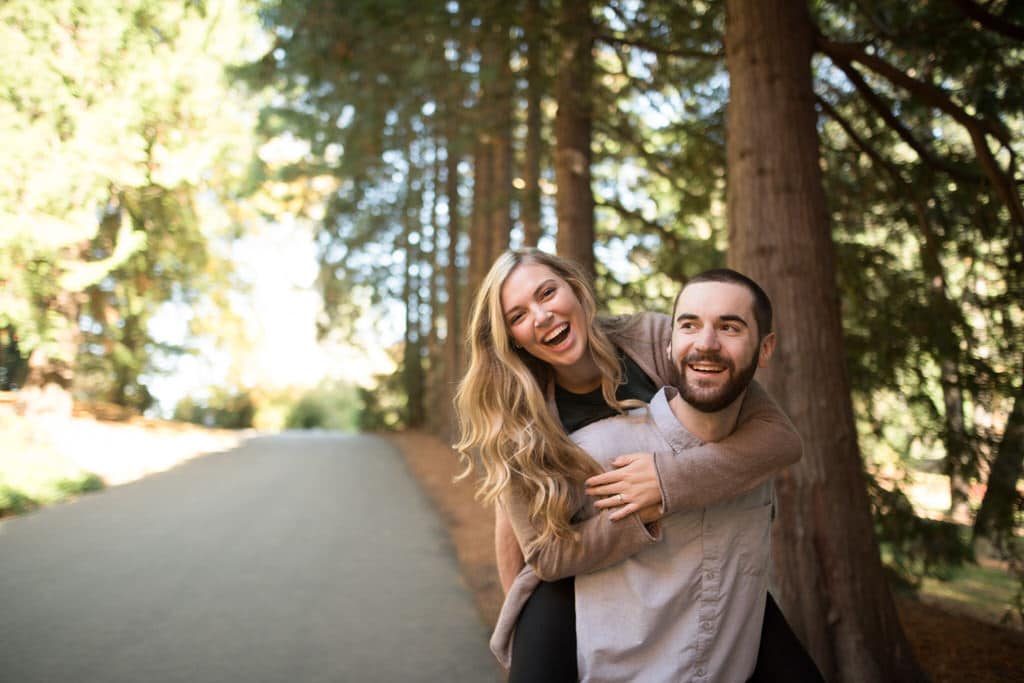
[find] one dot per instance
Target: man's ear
(767, 348)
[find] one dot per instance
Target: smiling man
(690, 607)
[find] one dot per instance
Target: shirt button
(711, 575)
(706, 625)
(700, 672)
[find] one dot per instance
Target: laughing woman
(541, 366)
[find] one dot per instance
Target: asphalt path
(298, 557)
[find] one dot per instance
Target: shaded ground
(951, 647)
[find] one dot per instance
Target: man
(689, 607)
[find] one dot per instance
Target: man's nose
(707, 338)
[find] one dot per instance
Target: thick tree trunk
(573, 89)
(530, 206)
(453, 306)
(829, 575)
(995, 516)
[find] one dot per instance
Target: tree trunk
(530, 206)
(412, 359)
(573, 90)
(959, 458)
(479, 232)
(453, 306)
(995, 516)
(51, 368)
(829, 575)
(500, 105)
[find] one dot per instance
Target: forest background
(860, 159)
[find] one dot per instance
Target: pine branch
(978, 128)
(990, 21)
(882, 108)
(660, 49)
(668, 237)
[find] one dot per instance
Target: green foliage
(122, 141)
(916, 547)
(14, 502)
(224, 409)
(331, 405)
(384, 406)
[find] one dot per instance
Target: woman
(541, 365)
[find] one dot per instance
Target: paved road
(292, 558)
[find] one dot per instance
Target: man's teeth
(699, 367)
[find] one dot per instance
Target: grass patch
(985, 590)
(33, 473)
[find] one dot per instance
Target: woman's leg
(544, 646)
(782, 656)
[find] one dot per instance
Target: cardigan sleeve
(600, 542)
(764, 442)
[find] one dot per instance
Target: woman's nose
(541, 316)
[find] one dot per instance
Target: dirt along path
(951, 647)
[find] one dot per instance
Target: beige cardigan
(764, 442)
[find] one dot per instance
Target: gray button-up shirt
(686, 609)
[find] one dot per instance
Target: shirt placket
(710, 594)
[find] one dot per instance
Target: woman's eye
(548, 292)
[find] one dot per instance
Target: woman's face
(544, 315)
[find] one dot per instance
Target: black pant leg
(781, 656)
(544, 646)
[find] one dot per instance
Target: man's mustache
(706, 357)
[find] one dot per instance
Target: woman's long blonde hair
(504, 418)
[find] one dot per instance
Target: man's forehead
(715, 299)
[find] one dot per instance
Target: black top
(579, 410)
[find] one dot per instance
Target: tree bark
(500, 105)
(479, 232)
(530, 206)
(573, 123)
(412, 358)
(995, 516)
(829, 579)
(453, 306)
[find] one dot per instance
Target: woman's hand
(630, 487)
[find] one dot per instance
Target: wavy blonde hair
(503, 415)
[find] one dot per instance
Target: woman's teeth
(558, 336)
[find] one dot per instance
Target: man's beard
(713, 400)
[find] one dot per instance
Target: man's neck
(707, 427)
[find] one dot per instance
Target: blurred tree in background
(122, 145)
